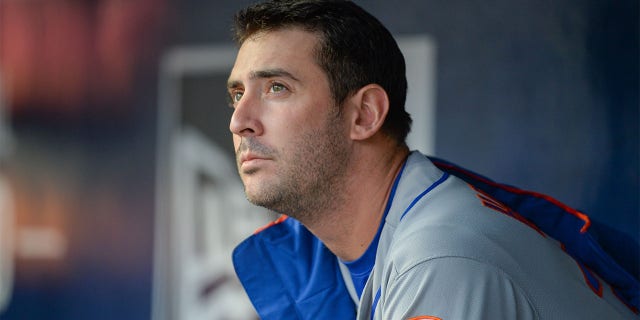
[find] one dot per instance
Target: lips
(250, 162)
(250, 152)
(249, 157)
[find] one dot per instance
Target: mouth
(251, 154)
(248, 160)
(250, 157)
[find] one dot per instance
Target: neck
(350, 227)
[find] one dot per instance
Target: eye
(277, 87)
(236, 95)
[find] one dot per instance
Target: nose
(245, 120)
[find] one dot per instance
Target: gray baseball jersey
(447, 252)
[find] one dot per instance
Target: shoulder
(455, 288)
(445, 250)
(452, 222)
(454, 261)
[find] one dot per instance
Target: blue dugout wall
(539, 94)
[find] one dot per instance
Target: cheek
(296, 121)
(281, 125)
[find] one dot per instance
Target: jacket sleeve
(453, 288)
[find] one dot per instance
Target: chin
(254, 195)
(259, 201)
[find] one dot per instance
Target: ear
(369, 108)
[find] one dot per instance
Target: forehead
(290, 49)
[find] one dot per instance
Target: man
(372, 230)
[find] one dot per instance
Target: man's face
(291, 143)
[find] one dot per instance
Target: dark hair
(356, 49)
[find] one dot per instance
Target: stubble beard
(310, 180)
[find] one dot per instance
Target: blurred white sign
(202, 213)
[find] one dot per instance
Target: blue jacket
(288, 273)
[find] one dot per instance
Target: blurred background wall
(539, 94)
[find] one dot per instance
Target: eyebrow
(263, 74)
